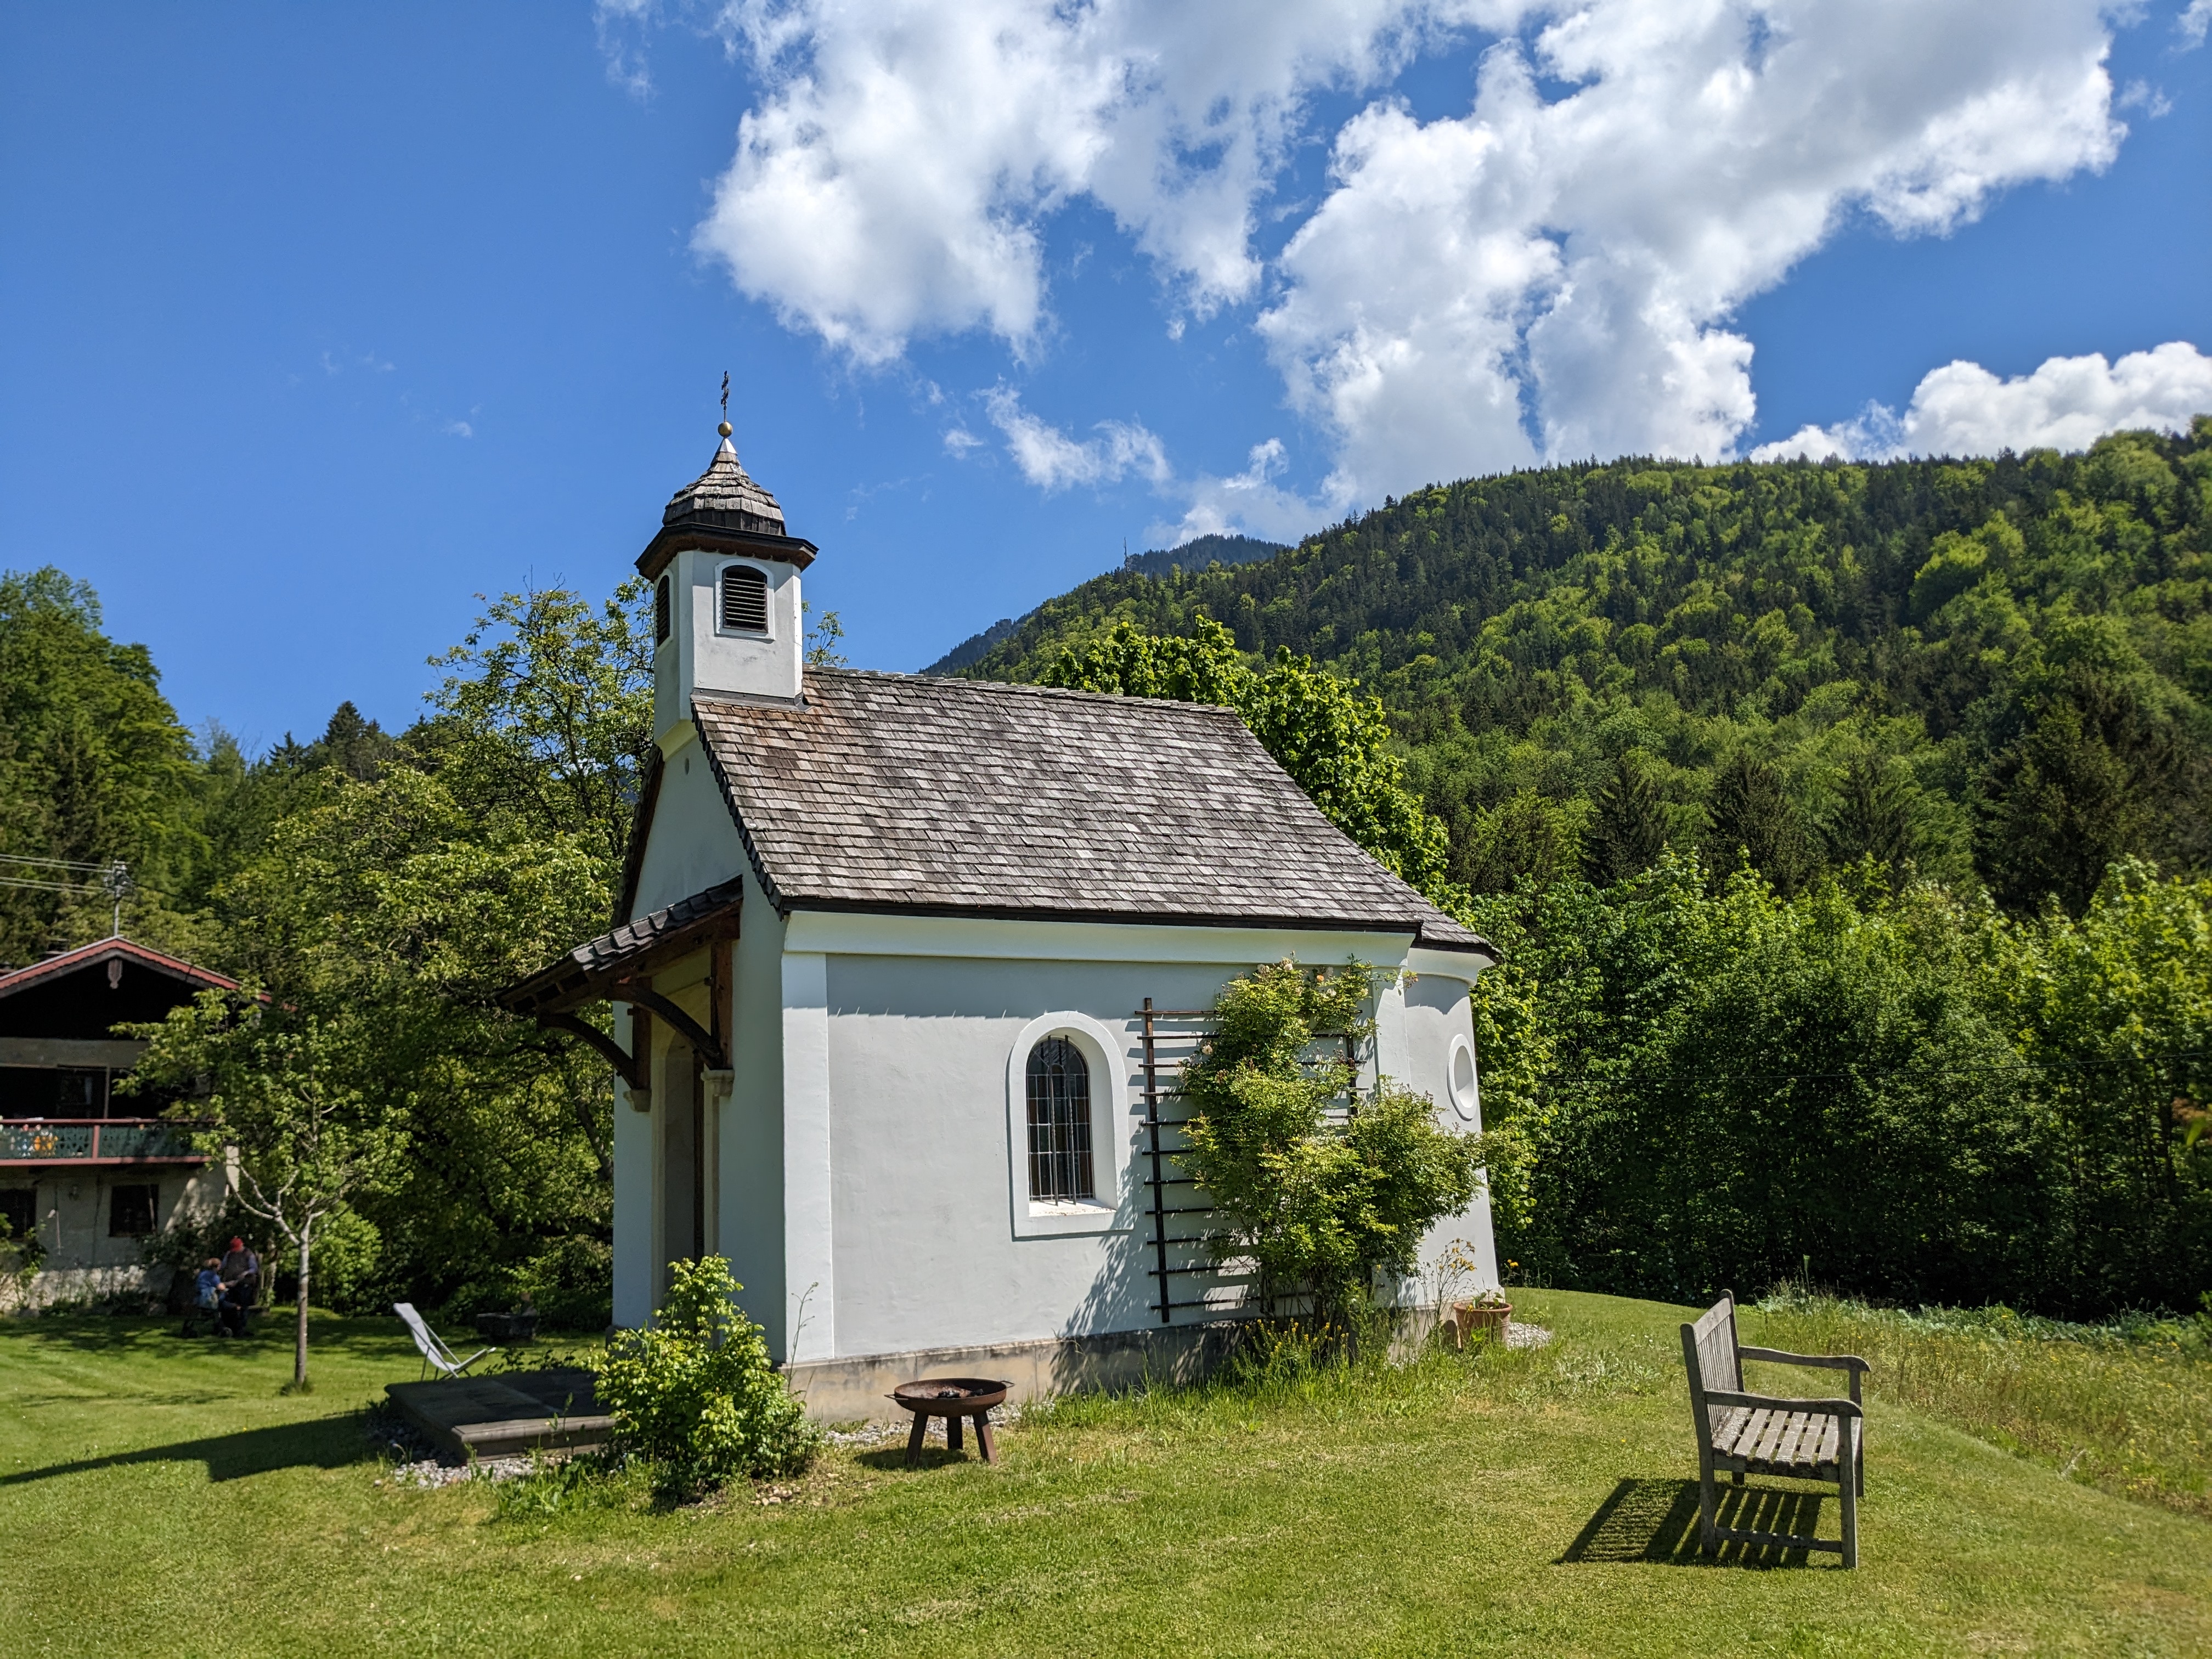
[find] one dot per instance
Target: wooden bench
(1758, 1434)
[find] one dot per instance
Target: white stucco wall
(922, 1253)
(693, 844)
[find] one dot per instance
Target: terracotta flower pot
(1466, 1318)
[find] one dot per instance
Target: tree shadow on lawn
(1657, 1521)
(269, 1332)
(324, 1443)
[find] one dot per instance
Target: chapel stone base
(858, 1389)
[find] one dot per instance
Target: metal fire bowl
(941, 1395)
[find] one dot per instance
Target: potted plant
(1486, 1311)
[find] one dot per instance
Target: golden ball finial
(724, 429)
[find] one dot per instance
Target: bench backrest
(1711, 1356)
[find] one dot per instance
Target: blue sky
(321, 322)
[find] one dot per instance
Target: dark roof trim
(682, 537)
(641, 825)
(1416, 926)
(600, 970)
(89, 956)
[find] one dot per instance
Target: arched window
(1060, 1124)
(661, 611)
(744, 600)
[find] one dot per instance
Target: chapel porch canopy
(619, 967)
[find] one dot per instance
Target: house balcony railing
(39, 1142)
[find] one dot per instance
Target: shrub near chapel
(1321, 1205)
(697, 1394)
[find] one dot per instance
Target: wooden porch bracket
(631, 1068)
(684, 1026)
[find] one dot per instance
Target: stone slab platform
(504, 1415)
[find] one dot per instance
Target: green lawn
(162, 1497)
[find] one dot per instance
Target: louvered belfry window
(744, 600)
(1060, 1123)
(661, 611)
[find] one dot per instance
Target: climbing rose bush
(698, 1395)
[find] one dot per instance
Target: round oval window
(1465, 1097)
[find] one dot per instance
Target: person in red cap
(241, 1285)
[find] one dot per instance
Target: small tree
(279, 1089)
(1321, 1205)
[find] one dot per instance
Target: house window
(660, 610)
(19, 1209)
(1060, 1124)
(744, 600)
(131, 1211)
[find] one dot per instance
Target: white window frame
(768, 576)
(1467, 1102)
(1113, 1132)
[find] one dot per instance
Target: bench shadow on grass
(1657, 1521)
(325, 1443)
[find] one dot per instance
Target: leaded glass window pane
(1060, 1123)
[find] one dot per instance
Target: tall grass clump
(2125, 1405)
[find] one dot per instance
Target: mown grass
(2125, 1406)
(161, 1498)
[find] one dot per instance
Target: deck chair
(1802, 1439)
(435, 1354)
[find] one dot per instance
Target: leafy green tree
(95, 768)
(1322, 1204)
(547, 712)
(400, 893)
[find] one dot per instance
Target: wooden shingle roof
(896, 791)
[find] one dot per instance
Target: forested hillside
(1194, 554)
(1983, 669)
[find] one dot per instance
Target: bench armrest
(1769, 1402)
(1834, 1362)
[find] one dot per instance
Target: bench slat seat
(1754, 1434)
(1799, 1443)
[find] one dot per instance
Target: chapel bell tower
(725, 616)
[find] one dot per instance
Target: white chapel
(908, 963)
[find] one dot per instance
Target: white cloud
(959, 443)
(1052, 460)
(458, 429)
(1552, 277)
(895, 180)
(2141, 94)
(2069, 402)
(1552, 273)
(2194, 24)
(1249, 502)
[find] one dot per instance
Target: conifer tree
(1629, 831)
(1754, 822)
